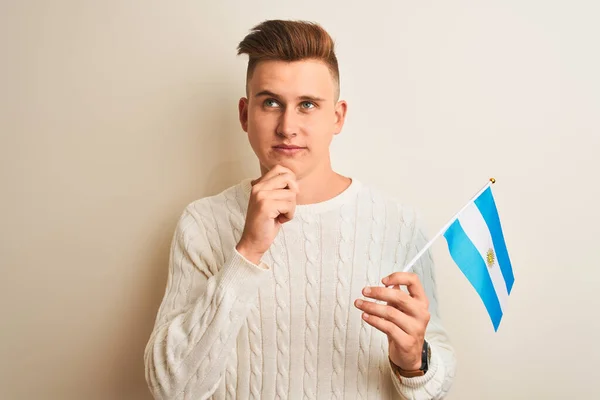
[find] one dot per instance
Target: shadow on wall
(220, 157)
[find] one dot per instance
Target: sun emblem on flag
(490, 257)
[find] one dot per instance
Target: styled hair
(289, 41)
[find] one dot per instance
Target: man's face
(291, 115)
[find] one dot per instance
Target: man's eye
(307, 105)
(271, 103)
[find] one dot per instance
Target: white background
(116, 114)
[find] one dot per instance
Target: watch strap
(425, 357)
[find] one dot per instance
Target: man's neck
(320, 186)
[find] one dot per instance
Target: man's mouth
(288, 149)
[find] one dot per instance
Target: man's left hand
(403, 318)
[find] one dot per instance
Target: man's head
(291, 111)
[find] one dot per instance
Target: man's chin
(289, 164)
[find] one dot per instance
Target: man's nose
(288, 123)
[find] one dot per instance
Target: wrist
(418, 368)
(246, 251)
(408, 366)
(407, 362)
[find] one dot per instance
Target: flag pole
(445, 228)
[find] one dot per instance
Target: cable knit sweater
(288, 328)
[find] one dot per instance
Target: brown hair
(289, 41)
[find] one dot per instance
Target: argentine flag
(476, 244)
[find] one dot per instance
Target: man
(286, 286)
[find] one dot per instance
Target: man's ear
(340, 116)
(243, 112)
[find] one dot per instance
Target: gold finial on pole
(492, 180)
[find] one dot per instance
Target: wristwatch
(425, 357)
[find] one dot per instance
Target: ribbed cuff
(242, 276)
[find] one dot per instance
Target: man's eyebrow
(303, 98)
(311, 98)
(266, 93)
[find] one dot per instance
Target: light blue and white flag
(477, 245)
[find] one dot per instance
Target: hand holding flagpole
(477, 246)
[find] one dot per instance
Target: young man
(286, 286)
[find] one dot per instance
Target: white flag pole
(445, 228)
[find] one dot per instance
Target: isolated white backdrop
(115, 115)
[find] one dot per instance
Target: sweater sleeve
(203, 309)
(436, 383)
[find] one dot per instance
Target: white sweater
(288, 328)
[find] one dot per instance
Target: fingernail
(365, 316)
(359, 303)
(367, 290)
(384, 280)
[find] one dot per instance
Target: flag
(477, 246)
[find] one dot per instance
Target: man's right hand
(272, 203)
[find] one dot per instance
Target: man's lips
(288, 150)
(288, 147)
